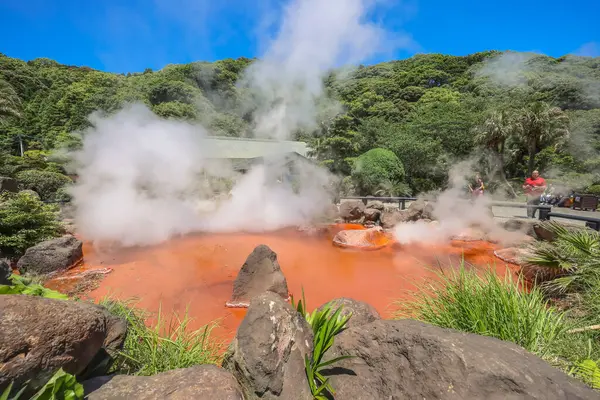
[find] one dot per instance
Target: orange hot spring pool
(196, 272)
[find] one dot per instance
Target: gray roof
(221, 147)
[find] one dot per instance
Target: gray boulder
(5, 272)
(521, 225)
(391, 218)
(362, 313)
(352, 210)
(267, 353)
(407, 359)
(260, 273)
(51, 256)
(201, 382)
(372, 215)
(8, 185)
(376, 205)
(39, 335)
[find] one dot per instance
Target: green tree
(375, 168)
(10, 103)
(45, 183)
(540, 124)
(24, 222)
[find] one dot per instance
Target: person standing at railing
(534, 187)
(477, 187)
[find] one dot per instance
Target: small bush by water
(25, 285)
(489, 306)
(168, 345)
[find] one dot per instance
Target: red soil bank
(198, 271)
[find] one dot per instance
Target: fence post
(593, 225)
(402, 204)
(543, 213)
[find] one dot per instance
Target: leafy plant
(575, 253)
(45, 183)
(168, 345)
(588, 371)
(61, 386)
(489, 306)
(24, 222)
(326, 323)
(22, 285)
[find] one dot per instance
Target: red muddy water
(198, 271)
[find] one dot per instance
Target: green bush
(61, 386)
(45, 183)
(24, 222)
(23, 285)
(593, 189)
(377, 167)
(489, 306)
(166, 346)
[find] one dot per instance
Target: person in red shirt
(534, 187)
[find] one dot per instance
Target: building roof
(221, 147)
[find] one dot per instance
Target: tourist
(477, 188)
(534, 187)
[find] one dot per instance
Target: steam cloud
(456, 216)
(140, 177)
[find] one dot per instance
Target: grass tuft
(166, 346)
(488, 305)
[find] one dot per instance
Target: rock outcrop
(521, 225)
(267, 353)
(51, 256)
(200, 382)
(5, 272)
(352, 210)
(260, 273)
(411, 360)
(8, 185)
(362, 313)
(39, 335)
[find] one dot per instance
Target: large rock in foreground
(267, 353)
(201, 382)
(411, 360)
(38, 336)
(51, 256)
(260, 273)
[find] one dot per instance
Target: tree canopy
(429, 110)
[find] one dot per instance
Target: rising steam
(141, 178)
(455, 215)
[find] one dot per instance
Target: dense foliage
(24, 222)
(513, 111)
(375, 169)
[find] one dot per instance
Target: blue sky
(131, 35)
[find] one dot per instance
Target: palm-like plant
(389, 188)
(10, 102)
(493, 133)
(575, 253)
(540, 123)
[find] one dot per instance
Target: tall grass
(488, 305)
(167, 345)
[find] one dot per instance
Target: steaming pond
(197, 272)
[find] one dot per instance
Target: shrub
(45, 183)
(61, 386)
(575, 253)
(24, 222)
(490, 306)
(23, 285)
(148, 351)
(375, 167)
(593, 189)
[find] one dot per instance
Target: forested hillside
(429, 110)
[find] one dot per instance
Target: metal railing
(401, 200)
(590, 222)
